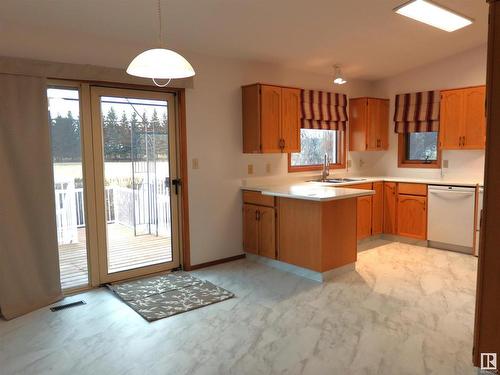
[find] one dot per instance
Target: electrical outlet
(361, 163)
(268, 168)
(250, 169)
(195, 163)
(445, 163)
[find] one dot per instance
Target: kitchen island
(304, 228)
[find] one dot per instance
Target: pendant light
(338, 80)
(160, 63)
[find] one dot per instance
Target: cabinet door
(250, 229)
(251, 118)
(270, 118)
(364, 221)
(412, 216)
(390, 208)
(383, 124)
(267, 232)
(451, 118)
(378, 123)
(474, 124)
(378, 208)
(372, 129)
(357, 124)
(290, 119)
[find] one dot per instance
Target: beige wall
(465, 69)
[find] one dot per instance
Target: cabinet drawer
(365, 186)
(255, 197)
(412, 189)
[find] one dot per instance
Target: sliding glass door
(115, 182)
(135, 154)
(67, 156)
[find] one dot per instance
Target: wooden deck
(125, 251)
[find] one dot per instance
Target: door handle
(176, 183)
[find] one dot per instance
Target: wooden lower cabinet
(364, 211)
(259, 230)
(412, 216)
(390, 207)
(378, 208)
(319, 236)
(267, 232)
(364, 218)
(250, 229)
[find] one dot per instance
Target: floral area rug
(162, 296)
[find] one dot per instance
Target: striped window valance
(323, 110)
(417, 112)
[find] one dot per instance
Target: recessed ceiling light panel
(434, 15)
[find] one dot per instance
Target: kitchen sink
(339, 180)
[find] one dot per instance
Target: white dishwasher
(450, 224)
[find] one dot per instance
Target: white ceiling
(365, 36)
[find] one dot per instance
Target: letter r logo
(488, 361)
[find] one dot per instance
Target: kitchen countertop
(325, 191)
(311, 191)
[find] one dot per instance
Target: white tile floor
(406, 310)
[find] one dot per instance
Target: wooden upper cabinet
(450, 119)
(378, 208)
(271, 119)
(358, 124)
(290, 125)
(462, 119)
(368, 124)
(390, 207)
(412, 216)
(474, 129)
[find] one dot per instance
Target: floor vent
(67, 306)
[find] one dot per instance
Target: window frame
(403, 162)
(342, 150)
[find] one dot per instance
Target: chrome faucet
(326, 168)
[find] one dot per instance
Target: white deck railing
(149, 212)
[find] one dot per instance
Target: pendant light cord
(159, 24)
(160, 31)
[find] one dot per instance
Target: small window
(419, 150)
(421, 146)
(314, 144)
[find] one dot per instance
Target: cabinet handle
(281, 143)
(463, 142)
(257, 215)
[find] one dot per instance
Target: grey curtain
(29, 260)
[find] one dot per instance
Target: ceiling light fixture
(160, 63)
(432, 14)
(338, 80)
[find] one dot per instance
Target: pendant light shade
(160, 63)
